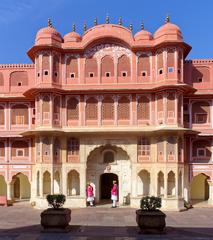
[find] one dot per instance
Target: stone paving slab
(21, 222)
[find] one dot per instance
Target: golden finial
(85, 27)
(167, 19)
(107, 19)
(95, 22)
(50, 23)
(120, 21)
(73, 27)
(142, 26)
(130, 27)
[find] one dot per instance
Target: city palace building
(104, 106)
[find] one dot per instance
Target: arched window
(108, 108)
(73, 183)
(171, 148)
(1, 115)
(1, 79)
(46, 147)
(160, 149)
(20, 148)
(92, 109)
(72, 109)
(201, 151)
(143, 186)
(46, 107)
(200, 112)
(160, 63)
(170, 60)
(108, 157)
(19, 114)
(56, 150)
(124, 69)
(46, 63)
(73, 146)
(123, 108)
(171, 105)
(19, 78)
(91, 68)
(160, 109)
(46, 183)
(143, 146)
(55, 68)
(56, 110)
(107, 67)
(143, 66)
(143, 108)
(72, 67)
(2, 149)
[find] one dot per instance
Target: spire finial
(142, 26)
(73, 27)
(85, 27)
(130, 27)
(107, 19)
(95, 21)
(49, 23)
(120, 21)
(167, 18)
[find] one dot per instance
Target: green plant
(56, 200)
(150, 203)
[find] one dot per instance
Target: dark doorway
(17, 188)
(106, 180)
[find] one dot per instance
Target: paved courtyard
(22, 222)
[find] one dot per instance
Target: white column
(99, 110)
(41, 184)
(83, 181)
(210, 200)
(9, 191)
(165, 184)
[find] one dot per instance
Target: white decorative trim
(114, 50)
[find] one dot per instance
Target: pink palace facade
(107, 105)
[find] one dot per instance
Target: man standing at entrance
(114, 194)
(90, 194)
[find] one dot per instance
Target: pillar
(165, 184)
(83, 181)
(210, 200)
(9, 191)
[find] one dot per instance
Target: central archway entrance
(106, 183)
(105, 164)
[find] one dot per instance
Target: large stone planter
(56, 220)
(151, 221)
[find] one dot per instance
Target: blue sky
(21, 19)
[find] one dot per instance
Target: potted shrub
(56, 218)
(149, 218)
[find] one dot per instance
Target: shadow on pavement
(110, 231)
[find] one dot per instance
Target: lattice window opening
(72, 67)
(72, 109)
(143, 65)
(124, 109)
(46, 147)
(143, 108)
(56, 147)
(144, 147)
(73, 146)
(92, 109)
(108, 109)
(171, 145)
(2, 149)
